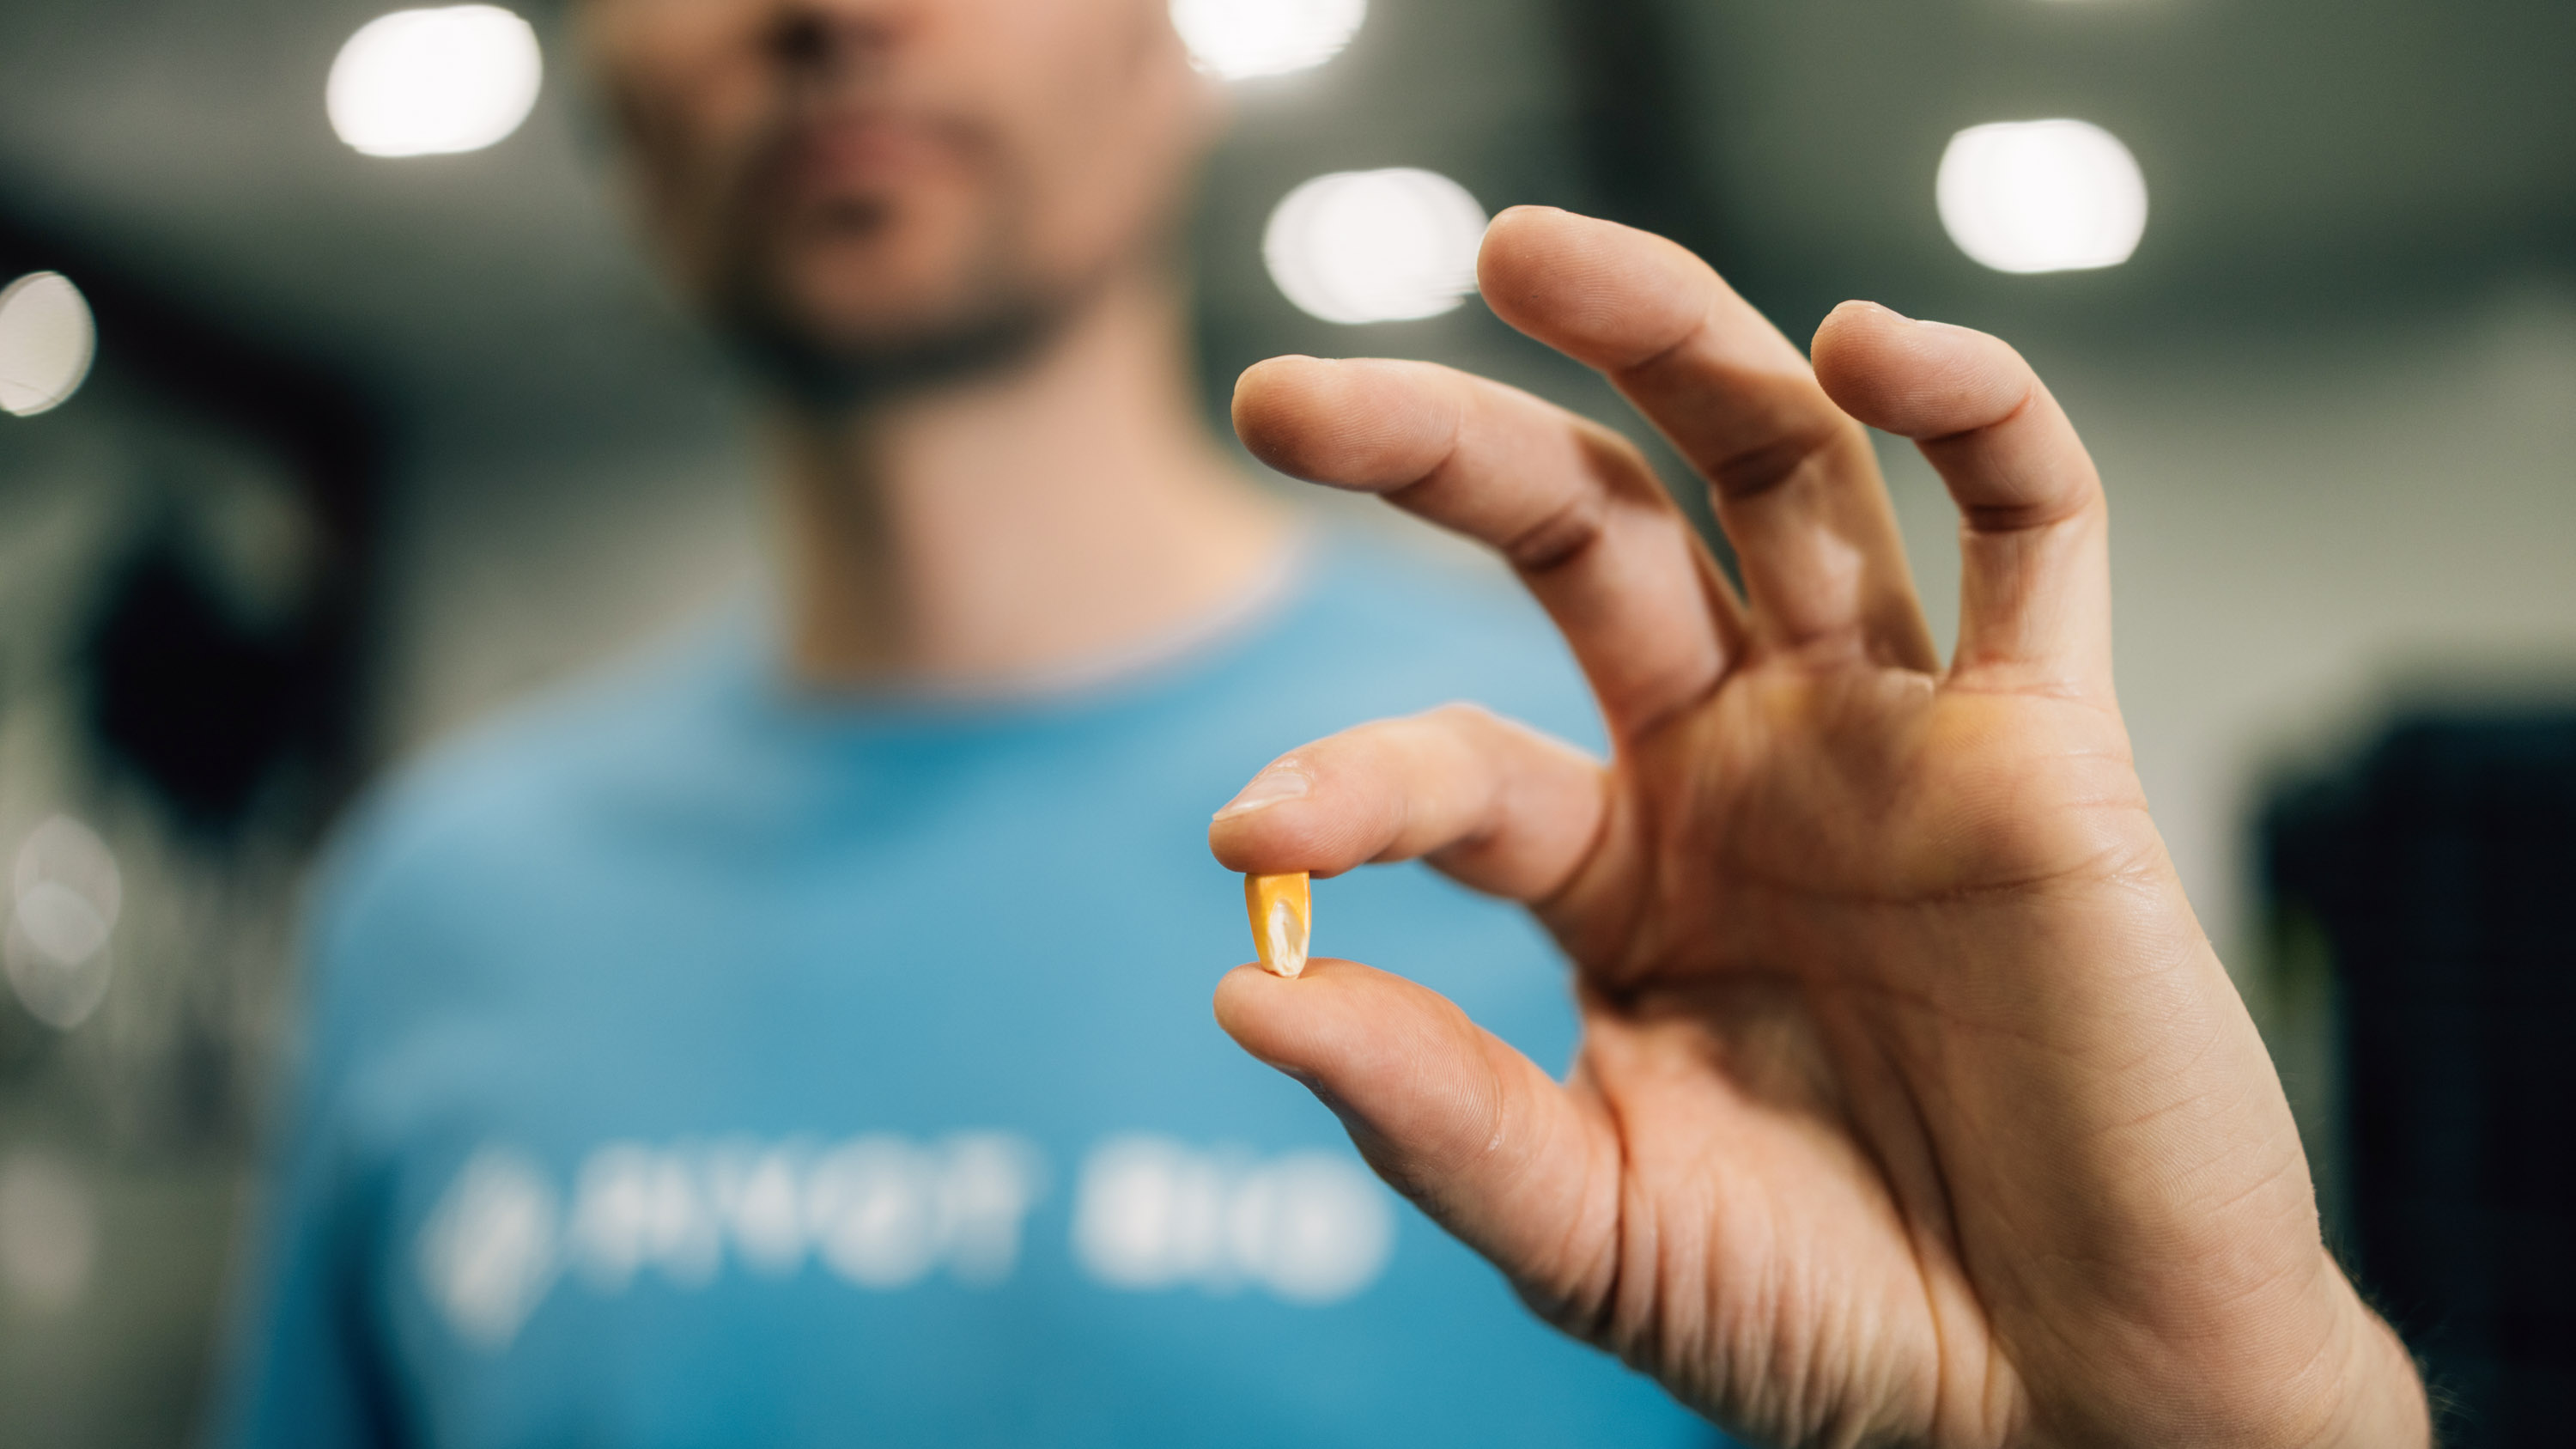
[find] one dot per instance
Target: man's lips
(865, 153)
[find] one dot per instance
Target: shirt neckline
(1104, 677)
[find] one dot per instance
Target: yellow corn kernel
(1282, 909)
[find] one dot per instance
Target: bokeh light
(48, 1231)
(1375, 246)
(68, 853)
(434, 82)
(2042, 196)
(46, 342)
(66, 893)
(1242, 38)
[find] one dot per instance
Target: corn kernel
(1283, 914)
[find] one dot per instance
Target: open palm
(1912, 1104)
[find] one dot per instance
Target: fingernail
(1282, 780)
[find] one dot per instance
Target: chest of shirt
(864, 1103)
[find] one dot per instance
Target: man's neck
(1052, 513)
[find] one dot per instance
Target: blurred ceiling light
(1375, 246)
(2042, 196)
(67, 853)
(55, 954)
(434, 82)
(66, 895)
(1241, 38)
(46, 342)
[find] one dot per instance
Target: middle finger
(1572, 505)
(1796, 484)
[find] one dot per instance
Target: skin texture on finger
(1570, 504)
(1606, 1197)
(1495, 805)
(2035, 606)
(1451, 1116)
(1796, 485)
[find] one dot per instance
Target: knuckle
(1462, 716)
(1558, 536)
(1774, 461)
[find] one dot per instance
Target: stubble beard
(998, 319)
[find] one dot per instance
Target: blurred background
(339, 409)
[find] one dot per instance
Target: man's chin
(844, 352)
(884, 318)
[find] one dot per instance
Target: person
(797, 1035)
(1913, 1106)
(784, 1042)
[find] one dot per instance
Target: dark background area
(2427, 878)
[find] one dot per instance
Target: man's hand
(1913, 1105)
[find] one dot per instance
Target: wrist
(2379, 1402)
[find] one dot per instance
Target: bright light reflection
(2042, 196)
(65, 893)
(68, 853)
(55, 954)
(1375, 246)
(434, 82)
(46, 342)
(1241, 38)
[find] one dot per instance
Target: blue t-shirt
(694, 1064)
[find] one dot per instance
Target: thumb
(1453, 1117)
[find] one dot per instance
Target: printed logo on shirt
(1154, 1213)
(487, 1253)
(883, 1213)
(879, 1211)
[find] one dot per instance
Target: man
(1911, 1104)
(800, 1037)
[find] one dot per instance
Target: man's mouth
(850, 155)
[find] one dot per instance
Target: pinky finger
(2035, 610)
